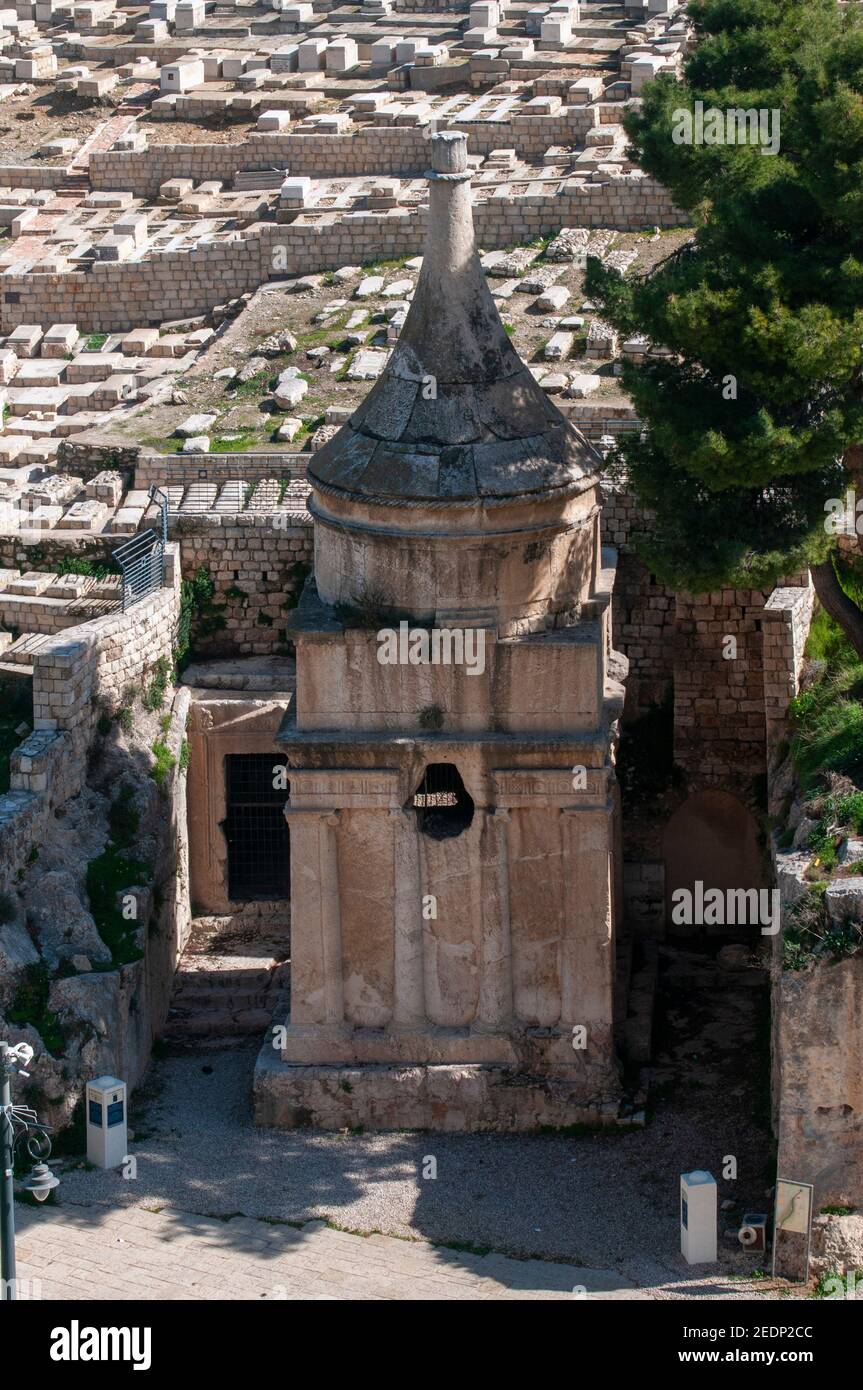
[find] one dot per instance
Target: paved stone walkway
(88, 1253)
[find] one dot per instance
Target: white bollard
(698, 1217)
(107, 1130)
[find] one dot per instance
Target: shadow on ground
(605, 1202)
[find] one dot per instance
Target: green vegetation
(258, 385)
(827, 722)
(200, 617)
(154, 695)
(108, 875)
(184, 755)
(754, 419)
(810, 935)
(123, 818)
(297, 576)
(431, 717)
(235, 444)
(165, 761)
(79, 564)
(30, 1005)
(16, 708)
(838, 812)
(381, 267)
(95, 342)
(163, 444)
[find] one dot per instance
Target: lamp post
(20, 1129)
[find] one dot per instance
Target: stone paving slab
(85, 1253)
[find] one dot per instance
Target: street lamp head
(40, 1182)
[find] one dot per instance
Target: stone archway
(711, 838)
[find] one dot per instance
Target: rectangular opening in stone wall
(259, 859)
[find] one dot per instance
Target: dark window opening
(443, 805)
(259, 855)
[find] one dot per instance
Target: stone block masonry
(394, 151)
(173, 470)
(120, 296)
(85, 668)
(785, 625)
(258, 569)
(75, 674)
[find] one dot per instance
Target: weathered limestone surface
(463, 1016)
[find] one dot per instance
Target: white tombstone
(190, 14)
(107, 1129)
(698, 1217)
(383, 51)
(295, 190)
(484, 15)
(342, 55)
(406, 48)
(556, 30)
(644, 68)
(311, 54)
(181, 77)
(274, 120)
(285, 59)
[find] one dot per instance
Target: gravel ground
(602, 1201)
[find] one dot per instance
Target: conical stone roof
(456, 416)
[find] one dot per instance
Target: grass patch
(827, 722)
(110, 874)
(379, 267)
(79, 564)
(164, 444)
(95, 342)
(237, 444)
(164, 764)
(200, 616)
(810, 935)
(30, 1006)
(16, 707)
(123, 818)
(838, 813)
(154, 695)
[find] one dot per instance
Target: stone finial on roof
(456, 415)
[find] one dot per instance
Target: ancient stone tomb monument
(453, 804)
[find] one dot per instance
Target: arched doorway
(712, 839)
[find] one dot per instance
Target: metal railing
(141, 559)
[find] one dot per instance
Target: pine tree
(755, 417)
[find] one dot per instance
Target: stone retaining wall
(117, 297)
(178, 470)
(75, 675)
(258, 569)
(386, 150)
